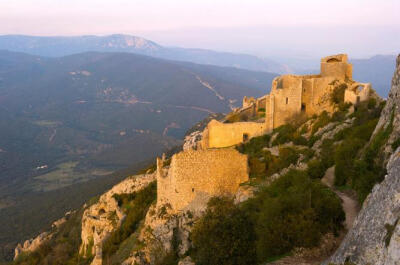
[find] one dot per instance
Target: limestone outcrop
(192, 141)
(164, 231)
(34, 243)
(391, 111)
(102, 218)
(375, 236)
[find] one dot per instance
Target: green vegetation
(337, 95)
(236, 117)
(294, 211)
(61, 249)
(289, 133)
(64, 175)
(389, 232)
(263, 164)
(322, 120)
(356, 161)
(135, 206)
(316, 169)
(224, 235)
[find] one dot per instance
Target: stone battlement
(195, 176)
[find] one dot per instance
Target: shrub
(396, 144)
(288, 133)
(255, 145)
(236, 117)
(357, 162)
(337, 95)
(287, 156)
(224, 235)
(316, 169)
(257, 168)
(285, 134)
(371, 103)
(135, 205)
(344, 160)
(61, 249)
(294, 211)
(323, 120)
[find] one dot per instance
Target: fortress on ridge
(289, 95)
(215, 168)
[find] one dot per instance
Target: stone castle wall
(357, 93)
(287, 94)
(290, 95)
(195, 176)
(218, 134)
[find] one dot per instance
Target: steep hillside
(76, 119)
(61, 46)
(284, 210)
(375, 236)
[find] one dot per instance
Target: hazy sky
(262, 27)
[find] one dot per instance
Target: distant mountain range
(377, 70)
(61, 46)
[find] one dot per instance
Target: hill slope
(72, 120)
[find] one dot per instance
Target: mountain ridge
(60, 46)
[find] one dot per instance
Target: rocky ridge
(102, 218)
(375, 236)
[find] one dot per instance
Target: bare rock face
(329, 131)
(164, 231)
(104, 217)
(32, 244)
(375, 236)
(186, 261)
(392, 110)
(192, 141)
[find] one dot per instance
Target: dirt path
(350, 205)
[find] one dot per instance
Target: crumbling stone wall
(218, 134)
(290, 95)
(357, 93)
(194, 176)
(336, 66)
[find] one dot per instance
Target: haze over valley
(208, 132)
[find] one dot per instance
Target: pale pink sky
(173, 22)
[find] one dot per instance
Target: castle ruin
(215, 168)
(289, 95)
(194, 176)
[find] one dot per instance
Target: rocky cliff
(375, 236)
(102, 218)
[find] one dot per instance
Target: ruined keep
(213, 169)
(289, 95)
(194, 176)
